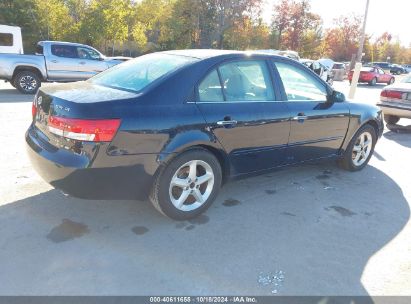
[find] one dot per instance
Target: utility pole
(358, 65)
(361, 46)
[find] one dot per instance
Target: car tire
(391, 119)
(373, 82)
(186, 186)
(27, 82)
(392, 80)
(360, 149)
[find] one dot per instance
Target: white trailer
(10, 40)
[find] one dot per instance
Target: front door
(382, 76)
(318, 127)
(90, 62)
(238, 102)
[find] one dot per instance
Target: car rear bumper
(361, 79)
(96, 176)
(402, 111)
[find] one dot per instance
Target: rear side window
(138, 73)
(338, 66)
(246, 80)
(299, 85)
(67, 51)
(6, 39)
(210, 88)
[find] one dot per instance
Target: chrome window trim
(257, 101)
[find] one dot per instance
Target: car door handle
(300, 116)
(82, 63)
(226, 122)
(54, 61)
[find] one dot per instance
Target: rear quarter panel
(361, 114)
(165, 120)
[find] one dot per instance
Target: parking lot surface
(318, 230)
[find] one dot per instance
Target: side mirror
(336, 97)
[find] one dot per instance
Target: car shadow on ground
(378, 86)
(13, 95)
(400, 134)
(311, 229)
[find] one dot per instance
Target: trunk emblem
(67, 109)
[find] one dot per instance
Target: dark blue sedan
(174, 126)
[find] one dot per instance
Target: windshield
(138, 73)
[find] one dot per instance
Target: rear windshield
(39, 49)
(136, 74)
(367, 69)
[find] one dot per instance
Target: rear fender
(359, 118)
(186, 140)
(195, 139)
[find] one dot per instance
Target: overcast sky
(384, 15)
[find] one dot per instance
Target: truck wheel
(27, 82)
(391, 120)
(188, 185)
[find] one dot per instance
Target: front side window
(66, 51)
(299, 85)
(138, 73)
(210, 88)
(86, 53)
(246, 80)
(6, 39)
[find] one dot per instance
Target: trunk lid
(75, 101)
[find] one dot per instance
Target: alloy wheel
(28, 83)
(362, 149)
(191, 185)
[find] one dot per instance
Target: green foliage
(53, 19)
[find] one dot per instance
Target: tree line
(131, 27)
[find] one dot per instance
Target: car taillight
(33, 109)
(84, 129)
(391, 94)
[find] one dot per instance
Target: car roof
(211, 53)
(64, 42)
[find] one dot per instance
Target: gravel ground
(310, 230)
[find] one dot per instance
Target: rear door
(318, 127)
(239, 104)
(383, 77)
(62, 63)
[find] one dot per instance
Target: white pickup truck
(54, 61)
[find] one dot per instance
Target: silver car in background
(395, 101)
(54, 61)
